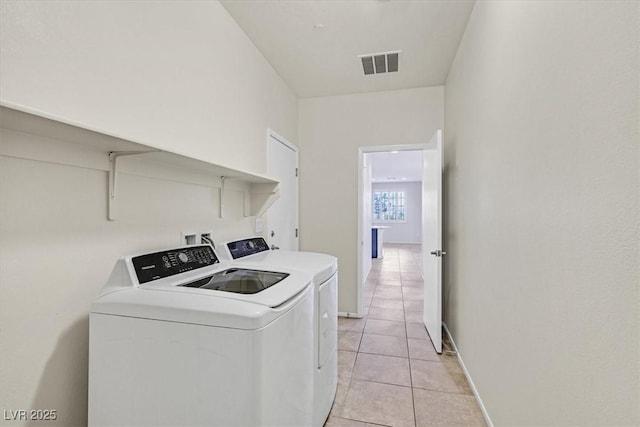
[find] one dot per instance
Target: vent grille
(378, 63)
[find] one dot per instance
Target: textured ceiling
(314, 45)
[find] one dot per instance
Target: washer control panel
(163, 264)
(242, 248)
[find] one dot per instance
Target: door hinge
(296, 232)
(296, 172)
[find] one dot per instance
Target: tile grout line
(413, 399)
(359, 351)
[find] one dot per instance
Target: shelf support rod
(113, 174)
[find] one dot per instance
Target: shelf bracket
(113, 174)
(221, 214)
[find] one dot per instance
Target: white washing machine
(254, 252)
(179, 339)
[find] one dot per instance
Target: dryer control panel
(242, 248)
(163, 264)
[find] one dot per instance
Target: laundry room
(139, 145)
(58, 243)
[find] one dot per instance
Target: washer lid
(238, 281)
(281, 290)
(168, 301)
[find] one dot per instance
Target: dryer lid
(256, 250)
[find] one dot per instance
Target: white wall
(409, 231)
(179, 75)
(330, 131)
(542, 216)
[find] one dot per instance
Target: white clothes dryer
(177, 338)
(254, 252)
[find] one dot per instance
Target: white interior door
(365, 243)
(432, 238)
(282, 216)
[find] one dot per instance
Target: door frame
(284, 141)
(361, 152)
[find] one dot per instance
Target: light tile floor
(389, 373)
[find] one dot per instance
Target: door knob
(438, 253)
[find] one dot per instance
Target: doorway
(383, 200)
(282, 217)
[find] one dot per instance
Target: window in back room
(389, 206)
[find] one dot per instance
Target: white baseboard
(349, 314)
(485, 414)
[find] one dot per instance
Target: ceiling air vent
(378, 63)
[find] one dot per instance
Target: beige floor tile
(390, 297)
(413, 316)
(369, 291)
(385, 327)
(351, 324)
(412, 294)
(366, 300)
(446, 409)
(417, 330)
(386, 275)
(382, 369)
(343, 422)
(418, 284)
(341, 394)
(346, 360)
(349, 341)
(391, 288)
(390, 262)
(386, 314)
(384, 345)
(377, 403)
(388, 303)
(451, 362)
(432, 375)
(389, 282)
(422, 349)
(411, 276)
(413, 306)
(388, 292)
(377, 363)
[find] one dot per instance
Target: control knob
(183, 258)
